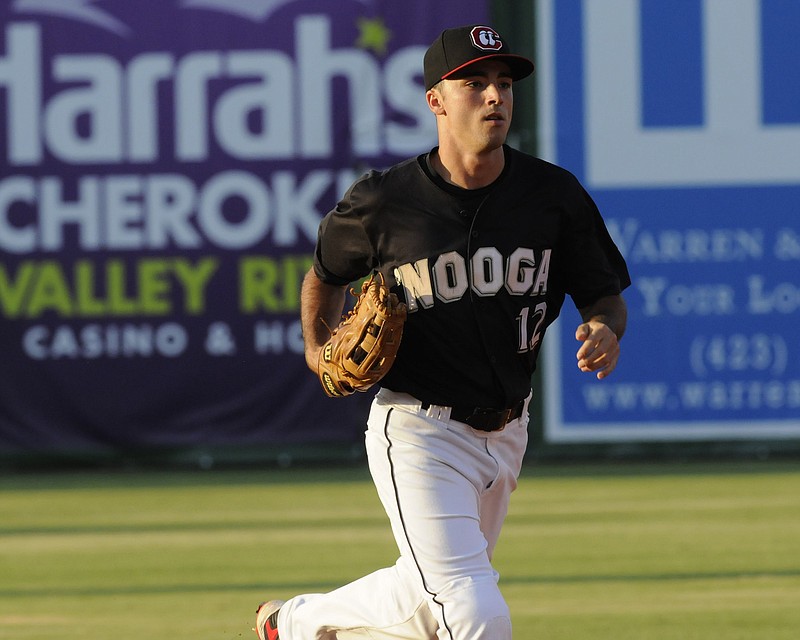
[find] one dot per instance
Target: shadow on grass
(319, 587)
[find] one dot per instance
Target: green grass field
(617, 552)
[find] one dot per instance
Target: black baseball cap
(460, 47)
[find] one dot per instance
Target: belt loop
(436, 411)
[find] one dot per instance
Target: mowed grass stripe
(629, 552)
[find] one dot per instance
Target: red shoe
(267, 620)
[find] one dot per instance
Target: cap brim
(520, 66)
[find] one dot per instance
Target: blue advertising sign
(164, 165)
(682, 119)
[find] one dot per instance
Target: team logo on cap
(486, 39)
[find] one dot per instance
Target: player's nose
(493, 93)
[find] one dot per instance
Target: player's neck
(469, 170)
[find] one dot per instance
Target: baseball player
(482, 243)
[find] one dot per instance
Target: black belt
(484, 419)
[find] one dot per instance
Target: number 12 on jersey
(524, 320)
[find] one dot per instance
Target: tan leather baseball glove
(362, 349)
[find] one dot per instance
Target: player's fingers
(583, 331)
(597, 361)
(605, 355)
(597, 344)
(605, 371)
(588, 348)
(600, 349)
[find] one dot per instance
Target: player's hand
(600, 349)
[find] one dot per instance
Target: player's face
(478, 105)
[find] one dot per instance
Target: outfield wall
(164, 165)
(683, 120)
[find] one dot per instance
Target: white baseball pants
(445, 488)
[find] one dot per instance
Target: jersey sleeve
(593, 264)
(344, 252)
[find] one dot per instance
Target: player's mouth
(495, 117)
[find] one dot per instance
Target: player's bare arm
(603, 325)
(321, 307)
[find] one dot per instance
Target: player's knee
(482, 614)
(497, 628)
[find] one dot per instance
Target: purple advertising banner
(164, 165)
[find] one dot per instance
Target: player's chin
(495, 137)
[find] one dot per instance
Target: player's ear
(435, 100)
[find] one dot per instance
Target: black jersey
(484, 272)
